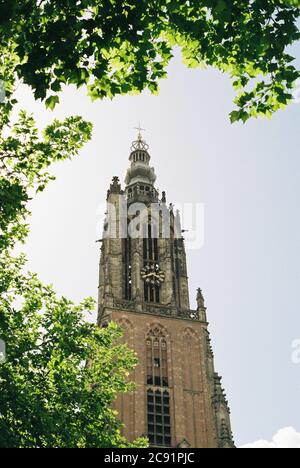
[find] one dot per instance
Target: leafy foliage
(24, 160)
(50, 397)
(61, 373)
(121, 46)
(295, 3)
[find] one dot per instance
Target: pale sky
(249, 267)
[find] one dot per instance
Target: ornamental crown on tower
(140, 171)
(139, 144)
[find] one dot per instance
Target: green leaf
(51, 102)
(235, 116)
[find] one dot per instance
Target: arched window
(158, 397)
(151, 260)
(157, 361)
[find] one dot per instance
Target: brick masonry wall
(190, 382)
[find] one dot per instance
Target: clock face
(152, 274)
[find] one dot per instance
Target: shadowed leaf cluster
(117, 47)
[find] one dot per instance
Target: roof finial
(139, 144)
(140, 130)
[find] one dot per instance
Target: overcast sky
(248, 179)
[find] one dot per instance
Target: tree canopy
(117, 47)
(61, 373)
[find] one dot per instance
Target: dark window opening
(127, 269)
(157, 294)
(164, 382)
(155, 245)
(157, 363)
(157, 381)
(151, 262)
(158, 400)
(150, 244)
(151, 293)
(159, 429)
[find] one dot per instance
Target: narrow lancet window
(127, 269)
(158, 396)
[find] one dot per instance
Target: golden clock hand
(148, 275)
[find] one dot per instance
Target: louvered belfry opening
(127, 264)
(151, 259)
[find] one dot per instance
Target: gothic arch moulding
(158, 330)
(192, 375)
(124, 322)
(128, 329)
(189, 332)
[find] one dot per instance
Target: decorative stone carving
(115, 187)
(222, 415)
(189, 314)
(124, 305)
(184, 444)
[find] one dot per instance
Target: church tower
(178, 400)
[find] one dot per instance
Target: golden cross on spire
(140, 130)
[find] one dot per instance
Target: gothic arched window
(157, 361)
(151, 261)
(158, 397)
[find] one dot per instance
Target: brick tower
(179, 400)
